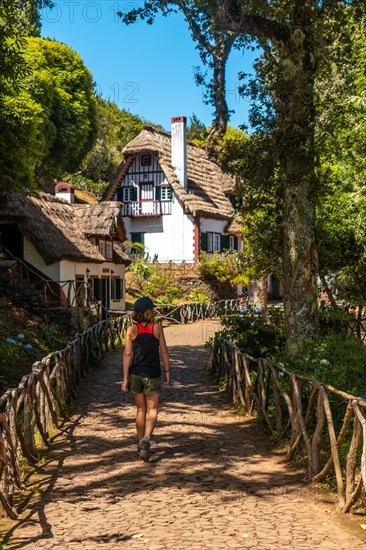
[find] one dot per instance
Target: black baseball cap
(143, 304)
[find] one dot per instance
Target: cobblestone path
(210, 483)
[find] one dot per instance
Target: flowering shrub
(13, 349)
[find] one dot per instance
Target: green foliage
(64, 88)
(156, 281)
(225, 268)
(196, 131)
(28, 21)
(233, 150)
(19, 352)
(21, 119)
(198, 295)
(254, 333)
(334, 359)
(116, 128)
(20, 115)
(260, 194)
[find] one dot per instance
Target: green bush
(336, 359)
(254, 333)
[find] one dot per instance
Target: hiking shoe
(144, 448)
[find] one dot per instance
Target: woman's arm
(164, 354)
(127, 358)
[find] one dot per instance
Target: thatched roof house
(176, 201)
(60, 230)
(206, 182)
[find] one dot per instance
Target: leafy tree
(116, 128)
(63, 86)
(292, 35)
(196, 130)
(28, 20)
(20, 115)
(214, 47)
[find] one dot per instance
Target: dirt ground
(212, 481)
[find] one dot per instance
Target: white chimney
(66, 191)
(179, 148)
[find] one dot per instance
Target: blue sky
(146, 69)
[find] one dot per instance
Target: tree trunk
(218, 95)
(292, 92)
(257, 294)
(297, 159)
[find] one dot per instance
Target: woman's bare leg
(152, 403)
(141, 408)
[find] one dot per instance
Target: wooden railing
(39, 401)
(325, 424)
(146, 208)
(42, 396)
(26, 279)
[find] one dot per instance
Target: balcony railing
(147, 208)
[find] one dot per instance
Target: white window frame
(127, 194)
(165, 193)
(231, 242)
(216, 242)
(209, 242)
(213, 242)
(102, 247)
(109, 250)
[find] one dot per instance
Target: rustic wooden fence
(43, 395)
(326, 425)
(41, 400)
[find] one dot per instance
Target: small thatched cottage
(173, 196)
(67, 243)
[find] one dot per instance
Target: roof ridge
(165, 133)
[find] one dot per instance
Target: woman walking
(145, 341)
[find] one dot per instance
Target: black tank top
(146, 357)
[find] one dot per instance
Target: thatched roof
(54, 226)
(85, 197)
(101, 220)
(204, 195)
(234, 227)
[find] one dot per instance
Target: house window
(209, 242)
(213, 242)
(138, 238)
(145, 160)
(102, 248)
(216, 242)
(165, 193)
(116, 289)
(232, 242)
(127, 194)
(106, 249)
(109, 250)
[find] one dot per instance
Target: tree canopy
(214, 47)
(116, 127)
(47, 111)
(64, 87)
(286, 113)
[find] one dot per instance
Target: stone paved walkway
(211, 483)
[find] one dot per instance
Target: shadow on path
(208, 464)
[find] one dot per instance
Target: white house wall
(67, 271)
(32, 256)
(213, 226)
(170, 237)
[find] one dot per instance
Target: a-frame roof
(60, 230)
(206, 181)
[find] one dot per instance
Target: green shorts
(141, 384)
